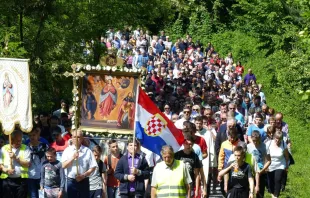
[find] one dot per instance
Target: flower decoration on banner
(106, 135)
(98, 67)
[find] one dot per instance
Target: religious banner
(108, 101)
(15, 100)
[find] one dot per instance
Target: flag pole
(134, 126)
(11, 160)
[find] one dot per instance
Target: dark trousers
(222, 187)
(14, 188)
(95, 193)
(262, 185)
(284, 180)
(78, 189)
(1, 181)
(33, 187)
(275, 180)
(130, 195)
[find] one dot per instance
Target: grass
(298, 185)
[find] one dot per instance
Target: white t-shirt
(169, 116)
(86, 160)
(277, 155)
(151, 158)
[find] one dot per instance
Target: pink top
(129, 60)
(108, 44)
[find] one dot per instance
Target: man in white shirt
(78, 162)
(186, 117)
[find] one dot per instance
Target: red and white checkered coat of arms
(155, 125)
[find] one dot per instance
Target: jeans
(33, 187)
(78, 189)
(113, 192)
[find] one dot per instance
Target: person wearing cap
(78, 177)
(14, 178)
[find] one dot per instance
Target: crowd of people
(232, 138)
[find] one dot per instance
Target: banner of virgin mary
(15, 100)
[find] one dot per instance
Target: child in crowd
(111, 161)
(37, 150)
(97, 181)
(52, 176)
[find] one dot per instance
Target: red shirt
(61, 146)
(239, 70)
(66, 137)
(202, 143)
(112, 181)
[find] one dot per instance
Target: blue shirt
(160, 48)
(150, 68)
(239, 117)
(262, 133)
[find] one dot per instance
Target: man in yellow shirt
(170, 177)
(15, 177)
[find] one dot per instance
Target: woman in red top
(239, 68)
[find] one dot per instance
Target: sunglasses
(186, 112)
(195, 109)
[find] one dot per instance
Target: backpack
(110, 160)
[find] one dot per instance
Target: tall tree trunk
(21, 26)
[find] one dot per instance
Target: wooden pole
(10, 147)
(77, 149)
(134, 126)
(76, 75)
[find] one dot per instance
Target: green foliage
(199, 25)
(50, 33)
(273, 39)
(176, 29)
(240, 44)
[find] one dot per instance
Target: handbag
(291, 159)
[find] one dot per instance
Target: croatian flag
(153, 128)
